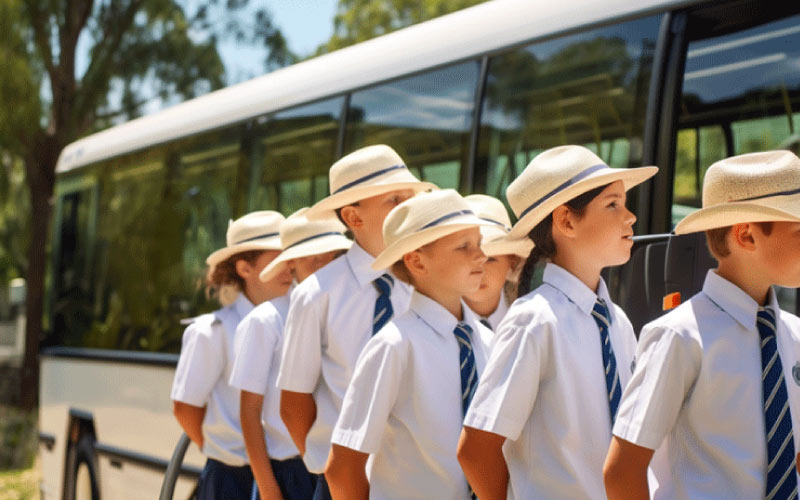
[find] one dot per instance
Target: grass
(20, 484)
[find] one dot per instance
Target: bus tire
(81, 480)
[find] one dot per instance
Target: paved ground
(20, 484)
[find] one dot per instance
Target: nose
(480, 257)
(630, 217)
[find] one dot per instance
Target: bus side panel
(132, 415)
(53, 421)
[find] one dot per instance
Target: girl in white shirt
(541, 419)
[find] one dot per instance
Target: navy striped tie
(781, 479)
(466, 357)
(383, 304)
(603, 319)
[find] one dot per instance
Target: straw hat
(495, 237)
(254, 231)
(558, 175)
(367, 172)
(755, 187)
(303, 238)
(423, 219)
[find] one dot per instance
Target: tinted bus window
(292, 154)
(741, 93)
(589, 88)
(425, 118)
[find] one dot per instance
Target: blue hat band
(320, 235)
(368, 177)
(446, 217)
(260, 236)
(572, 181)
(496, 222)
(780, 193)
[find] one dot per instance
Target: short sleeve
(301, 356)
(509, 384)
(256, 341)
(667, 366)
(201, 363)
(371, 394)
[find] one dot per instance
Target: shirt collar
(575, 290)
(436, 316)
(242, 306)
(735, 301)
(500, 310)
(360, 263)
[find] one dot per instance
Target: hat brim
(629, 176)
(399, 180)
(271, 243)
(325, 244)
(521, 248)
(411, 242)
(777, 208)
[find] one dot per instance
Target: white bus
(467, 100)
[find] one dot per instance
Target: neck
(581, 268)
(370, 244)
(746, 277)
(449, 301)
(487, 307)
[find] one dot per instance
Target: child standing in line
(542, 414)
(205, 405)
(715, 389)
(278, 469)
(334, 312)
(414, 380)
(504, 261)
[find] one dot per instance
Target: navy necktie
(781, 478)
(603, 319)
(383, 304)
(466, 357)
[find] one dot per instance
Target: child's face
(260, 291)
(454, 263)
(495, 273)
(303, 267)
(778, 254)
(605, 231)
(371, 213)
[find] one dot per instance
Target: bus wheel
(82, 469)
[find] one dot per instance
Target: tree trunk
(40, 168)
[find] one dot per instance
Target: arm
(625, 471)
(346, 474)
(191, 420)
(253, 433)
(480, 454)
(298, 412)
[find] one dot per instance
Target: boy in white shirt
(205, 405)
(334, 312)
(414, 380)
(715, 391)
(279, 472)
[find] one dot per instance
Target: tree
(360, 20)
(49, 99)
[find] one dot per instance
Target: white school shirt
(696, 395)
(499, 313)
(201, 379)
(403, 405)
(258, 356)
(544, 389)
(329, 322)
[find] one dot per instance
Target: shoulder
(619, 315)
(534, 310)
(201, 326)
(263, 315)
(335, 274)
(678, 326)
(792, 323)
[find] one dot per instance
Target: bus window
(425, 118)
(741, 93)
(293, 151)
(589, 88)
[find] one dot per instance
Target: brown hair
(542, 237)
(717, 239)
(225, 273)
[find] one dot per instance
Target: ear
(243, 268)
(351, 217)
(563, 221)
(415, 263)
(741, 236)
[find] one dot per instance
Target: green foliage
(14, 219)
(18, 438)
(360, 20)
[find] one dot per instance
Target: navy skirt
(224, 482)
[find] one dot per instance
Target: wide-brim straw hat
(754, 187)
(424, 219)
(255, 231)
(558, 175)
(495, 236)
(367, 172)
(301, 237)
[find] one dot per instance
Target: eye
(491, 259)
(613, 204)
